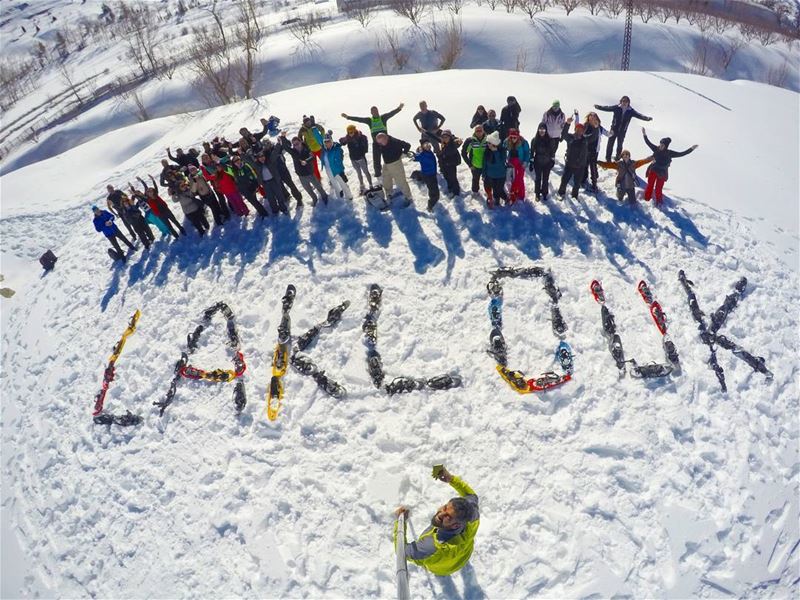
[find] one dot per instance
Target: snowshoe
(305, 340)
(498, 348)
(280, 360)
(444, 382)
(402, 385)
(375, 295)
(559, 326)
(330, 387)
(375, 368)
(496, 312)
(659, 317)
(650, 370)
(516, 379)
(370, 329)
(615, 347)
(644, 290)
(127, 420)
(565, 356)
(609, 326)
(550, 287)
(597, 291)
(494, 288)
(288, 297)
(669, 350)
(239, 396)
(304, 364)
(335, 314)
(547, 381)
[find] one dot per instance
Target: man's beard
(435, 521)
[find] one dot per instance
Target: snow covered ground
(603, 487)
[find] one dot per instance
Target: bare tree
(67, 77)
(413, 10)
(646, 10)
(522, 59)
(250, 33)
(778, 77)
(766, 37)
(452, 44)
(593, 6)
(728, 47)
(701, 57)
(214, 10)
(362, 11)
(398, 54)
(304, 28)
(613, 8)
(568, 5)
(455, 6)
(509, 4)
(531, 7)
(210, 60)
(493, 3)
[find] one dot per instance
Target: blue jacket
(334, 158)
(494, 163)
(100, 223)
(522, 152)
(427, 162)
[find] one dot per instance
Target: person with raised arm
(623, 113)
(658, 172)
(377, 125)
(447, 543)
(626, 174)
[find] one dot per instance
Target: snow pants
(542, 179)
(210, 200)
(170, 220)
(159, 224)
(591, 168)
(198, 219)
(574, 173)
(273, 192)
(476, 180)
(339, 186)
(362, 171)
(376, 157)
(655, 183)
(288, 182)
(312, 186)
(237, 204)
(498, 189)
(433, 189)
(620, 139)
(450, 176)
(142, 228)
(517, 191)
(394, 172)
(113, 239)
(128, 224)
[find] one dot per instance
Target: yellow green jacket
(441, 551)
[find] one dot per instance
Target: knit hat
(328, 137)
(351, 129)
(556, 104)
(513, 131)
(447, 132)
(579, 128)
(493, 138)
(666, 141)
(94, 207)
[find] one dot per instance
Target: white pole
(402, 567)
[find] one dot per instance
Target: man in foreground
(446, 545)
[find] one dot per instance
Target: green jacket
(444, 552)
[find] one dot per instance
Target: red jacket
(156, 205)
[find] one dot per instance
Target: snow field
(604, 486)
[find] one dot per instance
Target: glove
(410, 154)
(530, 166)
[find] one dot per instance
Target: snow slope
(603, 487)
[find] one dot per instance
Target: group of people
(232, 177)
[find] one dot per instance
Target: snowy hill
(604, 486)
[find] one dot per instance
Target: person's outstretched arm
(674, 154)
(637, 115)
(647, 141)
(609, 108)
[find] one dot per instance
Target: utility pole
(626, 43)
